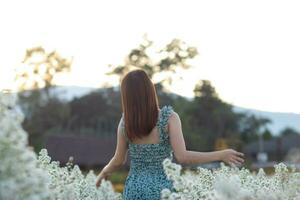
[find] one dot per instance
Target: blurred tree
(50, 118)
(288, 131)
(40, 68)
(267, 135)
(251, 127)
(210, 117)
(204, 89)
(90, 111)
(175, 55)
(34, 79)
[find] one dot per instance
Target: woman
(151, 135)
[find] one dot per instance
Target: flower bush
(26, 176)
(69, 183)
(231, 183)
(20, 178)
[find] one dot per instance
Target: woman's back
(146, 177)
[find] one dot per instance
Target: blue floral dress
(146, 177)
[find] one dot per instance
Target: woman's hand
(232, 157)
(102, 175)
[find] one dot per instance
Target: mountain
(279, 120)
(70, 92)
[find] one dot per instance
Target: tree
(50, 118)
(34, 79)
(251, 127)
(288, 131)
(267, 135)
(40, 68)
(210, 117)
(175, 55)
(204, 89)
(89, 111)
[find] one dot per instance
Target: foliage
(94, 111)
(251, 127)
(267, 135)
(50, 118)
(174, 55)
(35, 79)
(288, 131)
(210, 118)
(40, 68)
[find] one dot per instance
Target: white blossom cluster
(24, 176)
(19, 176)
(68, 183)
(231, 183)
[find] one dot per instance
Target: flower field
(27, 176)
(232, 183)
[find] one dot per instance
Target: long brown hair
(139, 104)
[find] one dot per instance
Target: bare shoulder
(174, 123)
(174, 117)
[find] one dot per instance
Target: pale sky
(249, 50)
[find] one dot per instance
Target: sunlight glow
(249, 50)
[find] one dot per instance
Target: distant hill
(279, 120)
(70, 92)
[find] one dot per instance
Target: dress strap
(165, 113)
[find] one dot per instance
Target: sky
(249, 50)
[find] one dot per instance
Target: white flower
(23, 176)
(231, 183)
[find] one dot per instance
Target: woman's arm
(183, 156)
(118, 159)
